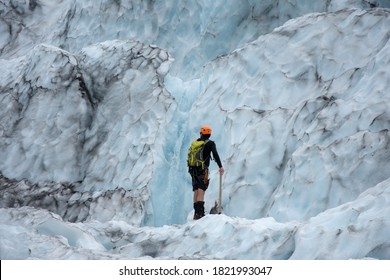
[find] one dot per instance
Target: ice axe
(217, 208)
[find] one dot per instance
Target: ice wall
(195, 32)
(108, 94)
(301, 120)
(99, 101)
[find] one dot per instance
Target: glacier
(99, 101)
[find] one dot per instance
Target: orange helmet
(205, 130)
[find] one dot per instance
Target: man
(199, 156)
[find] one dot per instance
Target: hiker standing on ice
(199, 155)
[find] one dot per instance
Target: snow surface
(99, 101)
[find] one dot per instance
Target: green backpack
(195, 154)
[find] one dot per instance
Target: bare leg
(200, 195)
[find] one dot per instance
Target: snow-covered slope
(356, 230)
(99, 101)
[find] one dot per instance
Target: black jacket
(209, 148)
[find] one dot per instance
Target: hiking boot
(199, 210)
(197, 216)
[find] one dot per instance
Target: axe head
(215, 209)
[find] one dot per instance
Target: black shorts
(200, 178)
